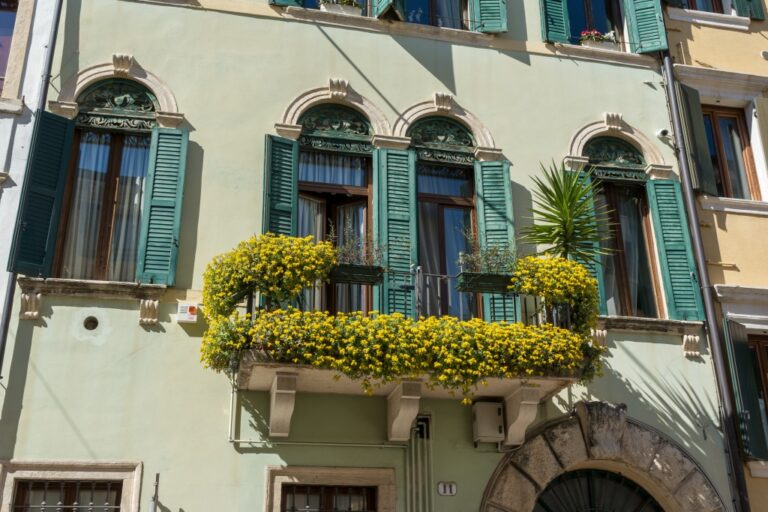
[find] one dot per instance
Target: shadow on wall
(70, 42)
(190, 216)
(711, 223)
(12, 387)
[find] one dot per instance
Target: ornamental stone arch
(126, 67)
(600, 436)
(340, 92)
(613, 125)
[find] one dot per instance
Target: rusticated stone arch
(600, 435)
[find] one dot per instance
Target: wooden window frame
(109, 197)
(328, 492)
(715, 113)
(717, 6)
(609, 190)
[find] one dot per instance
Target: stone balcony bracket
(521, 409)
(402, 408)
(282, 400)
(689, 332)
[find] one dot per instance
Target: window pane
(760, 378)
(445, 181)
(448, 14)
(128, 208)
(311, 222)
(350, 225)
(80, 249)
(31, 496)
(429, 257)
(7, 21)
(457, 222)
(713, 154)
(332, 168)
(418, 11)
(734, 157)
(609, 261)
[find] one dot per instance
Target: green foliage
(496, 259)
(566, 216)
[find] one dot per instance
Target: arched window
(335, 195)
(590, 490)
(446, 213)
(630, 285)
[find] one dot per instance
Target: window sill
(34, 288)
(13, 106)
(602, 54)
(730, 205)
(709, 19)
(689, 331)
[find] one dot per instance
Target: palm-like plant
(567, 217)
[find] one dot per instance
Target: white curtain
(350, 222)
(311, 214)
(332, 168)
(80, 248)
(128, 209)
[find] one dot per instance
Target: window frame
(715, 113)
(327, 498)
(760, 344)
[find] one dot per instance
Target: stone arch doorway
(600, 436)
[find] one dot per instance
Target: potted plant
(345, 7)
(595, 39)
(485, 269)
(358, 260)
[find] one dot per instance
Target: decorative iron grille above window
(118, 103)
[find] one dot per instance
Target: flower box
(347, 10)
(477, 282)
(602, 45)
(356, 274)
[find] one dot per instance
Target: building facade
(176, 129)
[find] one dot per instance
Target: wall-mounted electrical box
(488, 422)
(187, 313)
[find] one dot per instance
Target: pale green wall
(126, 392)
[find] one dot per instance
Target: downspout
(727, 412)
(42, 97)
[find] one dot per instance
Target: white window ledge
(716, 85)
(688, 331)
(602, 54)
(34, 288)
(11, 106)
(741, 294)
(709, 19)
(730, 205)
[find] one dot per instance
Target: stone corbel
(391, 142)
(289, 131)
(148, 309)
(691, 345)
(30, 305)
(660, 172)
(68, 109)
(575, 163)
(521, 409)
(599, 336)
(4, 176)
(338, 88)
(282, 399)
(402, 408)
(489, 154)
(613, 120)
(123, 63)
(169, 119)
(443, 102)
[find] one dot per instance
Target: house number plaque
(446, 488)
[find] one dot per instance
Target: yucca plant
(566, 217)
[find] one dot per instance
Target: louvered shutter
(595, 266)
(555, 26)
(281, 175)
(747, 390)
(389, 9)
(750, 8)
(161, 215)
(397, 218)
(286, 3)
(703, 175)
(646, 26)
(670, 226)
(489, 16)
(496, 227)
(34, 241)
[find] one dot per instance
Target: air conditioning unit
(488, 422)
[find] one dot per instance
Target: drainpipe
(42, 97)
(727, 411)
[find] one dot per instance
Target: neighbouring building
(177, 128)
(721, 62)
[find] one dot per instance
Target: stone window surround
(709, 19)
(381, 478)
(11, 101)
(128, 472)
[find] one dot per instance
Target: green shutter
(750, 8)
(397, 228)
(747, 390)
(161, 216)
(34, 241)
(489, 16)
(695, 134)
(286, 3)
(555, 26)
(670, 225)
(646, 26)
(389, 9)
(595, 266)
(496, 227)
(281, 175)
